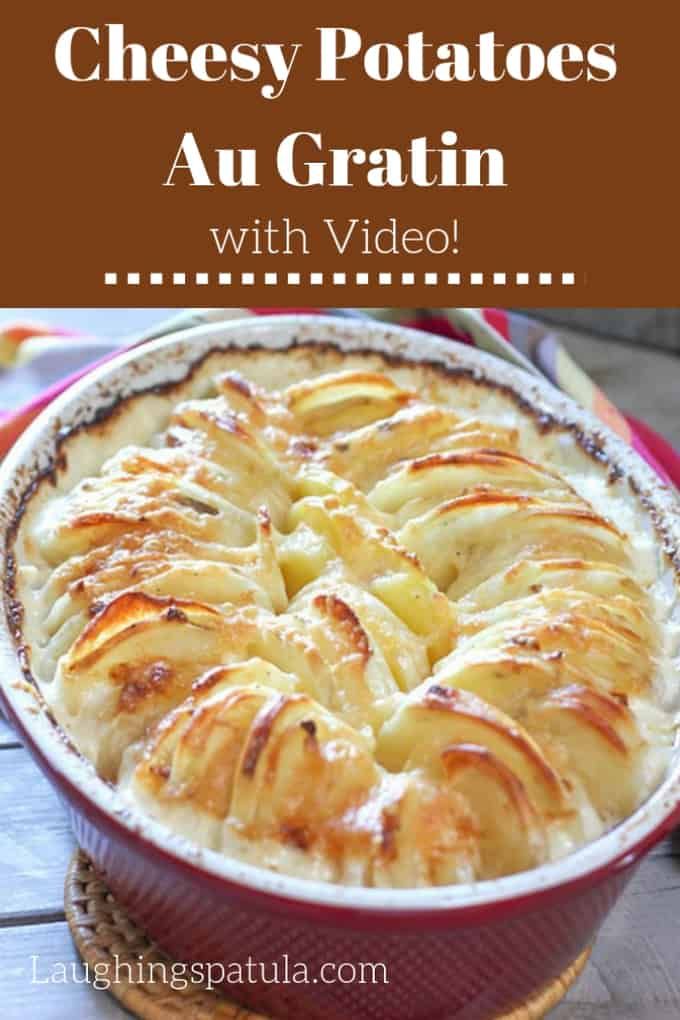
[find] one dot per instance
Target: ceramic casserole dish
(471, 950)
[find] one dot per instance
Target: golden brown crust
(343, 628)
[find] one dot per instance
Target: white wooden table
(634, 973)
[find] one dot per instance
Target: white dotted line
(363, 279)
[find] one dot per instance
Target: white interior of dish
(167, 359)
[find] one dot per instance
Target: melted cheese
(351, 628)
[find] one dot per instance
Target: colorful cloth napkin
(38, 363)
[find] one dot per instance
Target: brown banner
(512, 184)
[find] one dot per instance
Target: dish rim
(136, 368)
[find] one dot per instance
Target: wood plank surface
(8, 738)
(35, 842)
(33, 953)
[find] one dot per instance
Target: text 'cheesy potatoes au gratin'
(351, 630)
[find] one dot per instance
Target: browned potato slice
(344, 400)
(596, 736)
(105, 510)
(135, 660)
(511, 837)
(463, 542)
(246, 756)
(372, 554)
(366, 454)
(530, 576)
(246, 398)
(502, 679)
(607, 644)
(329, 652)
(377, 629)
(427, 482)
(425, 834)
(195, 753)
(438, 717)
(252, 470)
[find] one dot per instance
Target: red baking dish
(470, 952)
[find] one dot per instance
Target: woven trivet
(103, 934)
